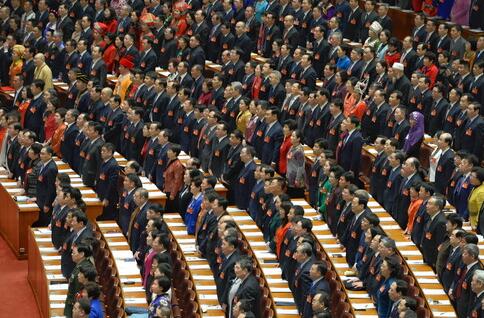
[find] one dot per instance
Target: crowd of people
(246, 127)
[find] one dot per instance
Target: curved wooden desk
(202, 277)
(280, 293)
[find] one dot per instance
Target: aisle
(15, 290)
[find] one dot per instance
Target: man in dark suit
(148, 60)
(29, 67)
(135, 134)
(477, 286)
(408, 57)
(318, 284)
(153, 147)
(114, 121)
(234, 165)
(46, 186)
(245, 181)
(138, 220)
(244, 287)
(411, 177)
(320, 48)
(107, 181)
(356, 67)
(273, 137)
(226, 273)
(276, 92)
(349, 152)
(69, 138)
(85, 60)
(157, 172)
(453, 261)
(353, 22)
(290, 35)
(437, 110)
(197, 54)
(461, 288)
(34, 113)
(271, 33)
(445, 164)
(333, 130)
(401, 126)
(81, 230)
(384, 20)
(308, 75)
(379, 176)
(243, 42)
(219, 150)
(92, 161)
(434, 230)
(98, 69)
(463, 186)
(65, 23)
(353, 234)
(302, 280)
(167, 48)
(471, 140)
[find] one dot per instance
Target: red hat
(101, 27)
(127, 61)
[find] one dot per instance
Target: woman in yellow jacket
(17, 61)
(477, 196)
(244, 114)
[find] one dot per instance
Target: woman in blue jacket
(390, 270)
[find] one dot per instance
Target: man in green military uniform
(80, 255)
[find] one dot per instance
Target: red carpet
(15, 290)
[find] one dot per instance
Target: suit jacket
(353, 25)
(392, 188)
(308, 78)
(249, 290)
(67, 264)
(60, 231)
(302, 282)
(68, 143)
(353, 236)
(271, 143)
(402, 202)
(437, 114)
(219, 152)
(106, 184)
(450, 268)
(113, 127)
(400, 132)
(46, 186)
(197, 56)
(84, 62)
(350, 152)
(98, 72)
(378, 178)
(243, 186)
(225, 275)
(92, 162)
(434, 235)
(471, 140)
(314, 288)
(137, 225)
(333, 132)
(462, 190)
(465, 300)
(174, 171)
(443, 173)
(33, 116)
(208, 225)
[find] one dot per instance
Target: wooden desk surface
(202, 277)
(267, 262)
(132, 290)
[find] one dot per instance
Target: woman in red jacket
(257, 84)
(110, 20)
(109, 54)
(430, 69)
(174, 174)
(393, 53)
(289, 126)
